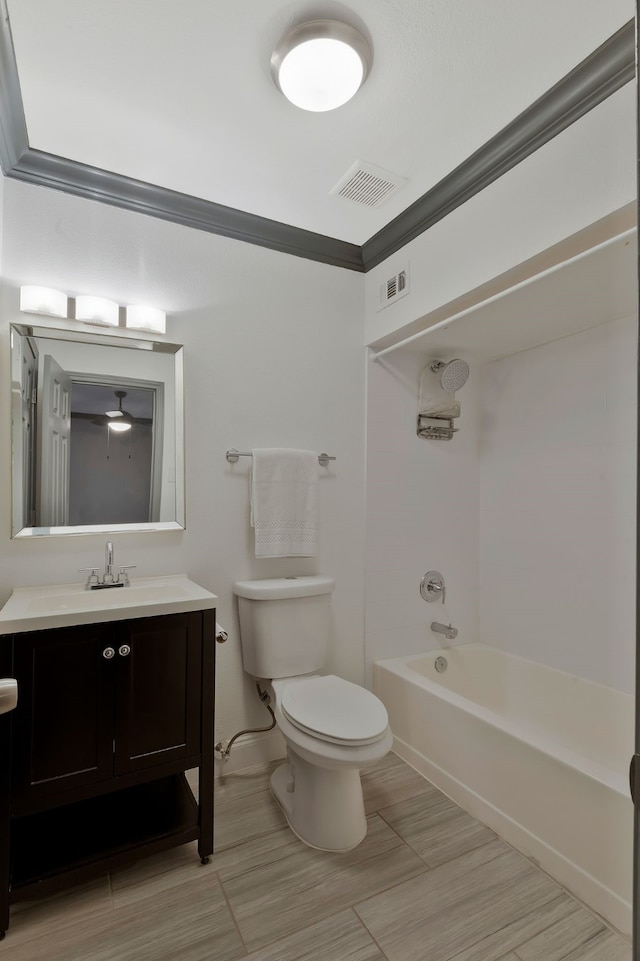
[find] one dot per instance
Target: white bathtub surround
(538, 755)
(422, 514)
(558, 502)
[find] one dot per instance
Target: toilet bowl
(331, 726)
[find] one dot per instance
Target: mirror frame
(63, 333)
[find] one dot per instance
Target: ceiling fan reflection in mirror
(119, 419)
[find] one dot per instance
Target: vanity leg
(5, 822)
(205, 784)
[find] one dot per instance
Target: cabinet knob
(124, 650)
(108, 653)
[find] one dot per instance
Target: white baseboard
(611, 907)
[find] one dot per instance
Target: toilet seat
(334, 710)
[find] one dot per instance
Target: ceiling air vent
(366, 184)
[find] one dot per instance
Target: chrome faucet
(108, 562)
(449, 632)
(95, 582)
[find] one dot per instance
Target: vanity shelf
(67, 844)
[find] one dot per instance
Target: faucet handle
(93, 575)
(432, 587)
(122, 573)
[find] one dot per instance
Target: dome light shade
(320, 65)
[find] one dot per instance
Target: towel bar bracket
(233, 454)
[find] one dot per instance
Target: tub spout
(449, 632)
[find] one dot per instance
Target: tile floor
(429, 883)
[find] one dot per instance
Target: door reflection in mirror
(53, 386)
(111, 471)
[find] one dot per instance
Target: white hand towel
(433, 400)
(284, 511)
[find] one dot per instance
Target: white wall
(273, 357)
(422, 514)
(551, 535)
(557, 504)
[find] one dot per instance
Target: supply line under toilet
(224, 750)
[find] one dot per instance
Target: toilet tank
(284, 624)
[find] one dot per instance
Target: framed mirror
(97, 433)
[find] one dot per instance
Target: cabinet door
(158, 691)
(63, 725)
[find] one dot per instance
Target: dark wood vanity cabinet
(109, 718)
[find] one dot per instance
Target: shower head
(453, 375)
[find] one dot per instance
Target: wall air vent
(366, 184)
(394, 288)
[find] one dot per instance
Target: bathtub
(538, 755)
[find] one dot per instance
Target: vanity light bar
(91, 310)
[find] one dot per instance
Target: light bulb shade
(320, 65)
(140, 317)
(43, 300)
(119, 425)
(97, 310)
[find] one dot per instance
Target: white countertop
(65, 605)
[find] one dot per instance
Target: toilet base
(324, 807)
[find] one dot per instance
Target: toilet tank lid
(276, 588)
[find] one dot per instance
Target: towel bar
(232, 456)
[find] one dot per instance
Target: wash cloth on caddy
(433, 400)
(284, 502)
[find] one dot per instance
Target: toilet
(331, 727)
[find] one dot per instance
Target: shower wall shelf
(436, 428)
(589, 288)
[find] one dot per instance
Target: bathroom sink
(63, 605)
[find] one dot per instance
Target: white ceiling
(180, 94)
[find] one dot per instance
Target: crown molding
(92, 183)
(14, 142)
(601, 74)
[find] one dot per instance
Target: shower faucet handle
(432, 587)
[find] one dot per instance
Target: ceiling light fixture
(320, 65)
